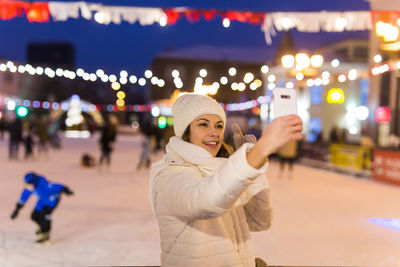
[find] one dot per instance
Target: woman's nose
(214, 132)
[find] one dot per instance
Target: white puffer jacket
(206, 206)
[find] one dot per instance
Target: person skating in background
(2, 126)
(28, 144)
(43, 136)
(108, 136)
(145, 154)
(287, 154)
(15, 130)
(48, 198)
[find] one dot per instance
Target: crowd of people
(35, 135)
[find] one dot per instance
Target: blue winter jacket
(47, 192)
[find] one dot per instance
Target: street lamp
(302, 61)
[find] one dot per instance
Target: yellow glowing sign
(335, 96)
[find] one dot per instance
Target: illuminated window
(316, 94)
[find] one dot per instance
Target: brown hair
(224, 152)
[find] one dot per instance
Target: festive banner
(35, 12)
(316, 21)
(270, 22)
(61, 11)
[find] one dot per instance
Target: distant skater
(108, 136)
(48, 198)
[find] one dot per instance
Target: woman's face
(207, 131)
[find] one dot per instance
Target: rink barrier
(341, 158)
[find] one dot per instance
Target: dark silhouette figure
(108, 135)
(2, 128)
(15, 130)
(145, 155)
(29, 143)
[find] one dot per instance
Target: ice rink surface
(321, 218)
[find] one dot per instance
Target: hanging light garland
(100, 75)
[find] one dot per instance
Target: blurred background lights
(21, 69)
(287, 23)
(11, 104)
(352, 74)
(258, 82)
(232, 71)
(175, 73)
(299, 76)
(248, 77)
(148, 74)
(163, 21)
(123, 80)
(99, 72)
(115, 85)
(155, 111)
(60, 72)
(120, 102)
(302, 61)
(340, 24)
(161, 83)
(271, 78)
(121, 94)
(289, 85)
(154, 80)
(335, 96)
(223, 80)
(142, 81)
(132, 79)
(353, 130)
(325, 75)
(342, 78)
(203, 73)
(79, 72)
(335, 63)
(104, 78)
(378, 58)
(226, 22)
(241, 87)
(271, 86)
(112, 78)
(199, 80)
(162, 122)
(317, 61)
(234, 86)
(123, 73)
(287, 61)
(264, 68)
(92, 77)
(362, 113)
(22, 111)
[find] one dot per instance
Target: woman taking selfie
(206, 200)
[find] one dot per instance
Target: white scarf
(180, 152)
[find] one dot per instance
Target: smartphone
(285, 102)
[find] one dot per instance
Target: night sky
(132, 46)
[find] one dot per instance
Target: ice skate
(44, 239)
(38, 231)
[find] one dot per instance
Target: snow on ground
(321, 218)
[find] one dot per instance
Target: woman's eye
(203, 124)
(220, 126)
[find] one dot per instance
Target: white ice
(321, 217)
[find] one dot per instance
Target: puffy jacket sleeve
(257, 204)
(187, 195)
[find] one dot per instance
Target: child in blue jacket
(48, 198)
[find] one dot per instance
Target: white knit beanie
(188, 107)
